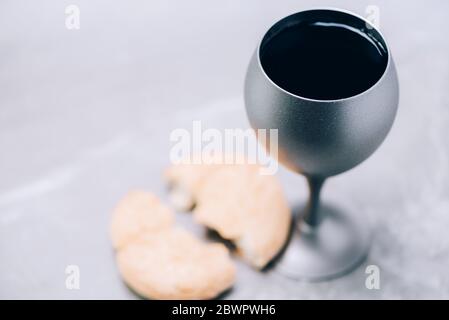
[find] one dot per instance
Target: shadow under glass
(323, 55)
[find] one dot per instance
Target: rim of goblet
(387, 49)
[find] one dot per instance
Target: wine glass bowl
(322, 131)
(322, 137)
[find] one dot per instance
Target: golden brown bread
(161, 261)
(240, 203)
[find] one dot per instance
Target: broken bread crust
(183, 182)
(242, 205)
(248, 208)
(161, 261)
(175, 265)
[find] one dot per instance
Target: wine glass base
(336, 246)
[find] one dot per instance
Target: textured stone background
(85, 115)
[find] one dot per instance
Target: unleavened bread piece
(162, 261)
(240, 203)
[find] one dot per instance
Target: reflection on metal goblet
(322, 130)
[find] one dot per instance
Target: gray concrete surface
(85, 115)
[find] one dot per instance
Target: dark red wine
(323, 61)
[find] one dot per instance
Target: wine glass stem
(311, 216)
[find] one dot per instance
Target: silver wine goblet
(321, 134)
